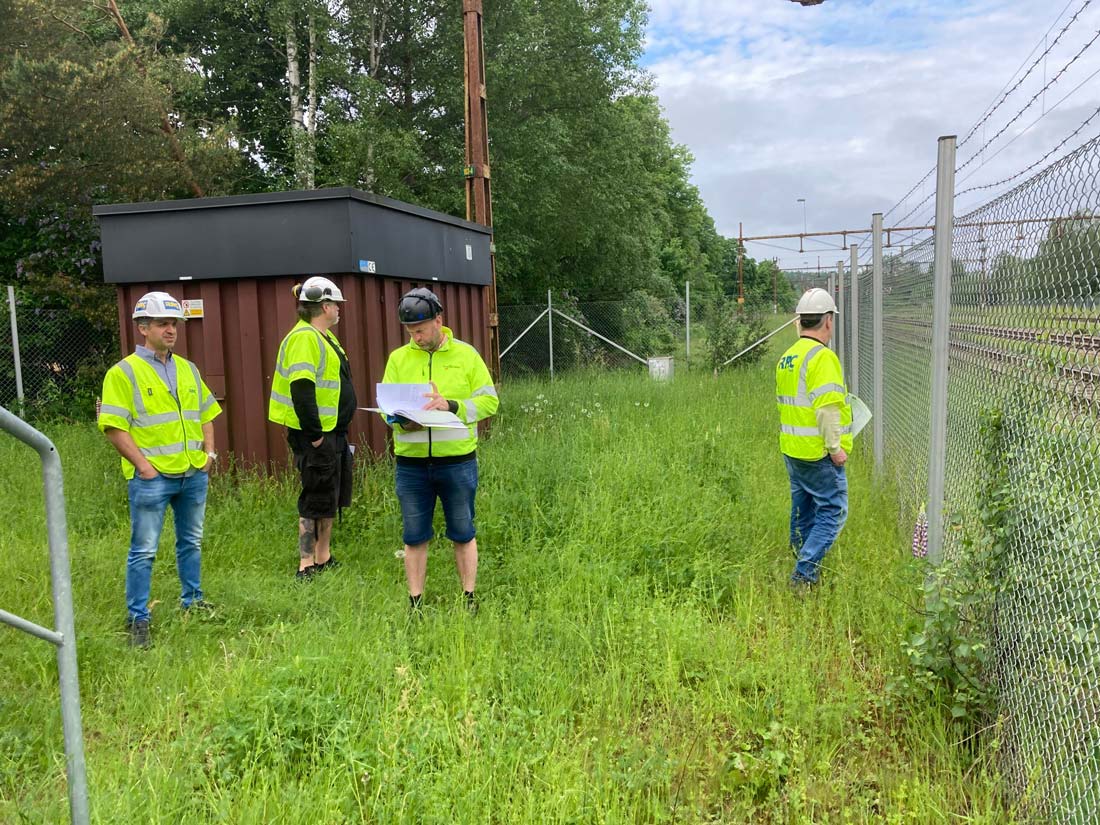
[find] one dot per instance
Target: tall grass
(637, 657)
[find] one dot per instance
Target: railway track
(1080, 382)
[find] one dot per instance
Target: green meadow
(637, 657)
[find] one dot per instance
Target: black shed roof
(314, 232)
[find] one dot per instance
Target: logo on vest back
(787, 362)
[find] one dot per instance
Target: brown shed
(233, 261)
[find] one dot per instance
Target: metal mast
(479, 202)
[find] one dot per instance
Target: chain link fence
(1022, 454)
(639, 333)
(52, 363)
(564, 334)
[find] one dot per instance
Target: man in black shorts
(313, 397)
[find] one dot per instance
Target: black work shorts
(326, 473)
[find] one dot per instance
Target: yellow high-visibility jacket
(808, 377)
(309, 354)
(166, 431)
(460, 375)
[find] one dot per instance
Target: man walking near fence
(438, 463)
(158, 414)
(814, 435)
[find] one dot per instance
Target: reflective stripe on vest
(459, 374)
(438, 434)
(326, 380)
(799, 436)
(166, 429)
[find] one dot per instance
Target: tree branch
(165, 126)
(71, 27)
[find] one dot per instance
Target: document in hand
(860, 414)
(406, 401)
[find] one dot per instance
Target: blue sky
(842, 103)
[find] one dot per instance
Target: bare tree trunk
(374, 62)
(377, 33)
(298, 137)
(165, 126)
(407, 60)
(311, 112)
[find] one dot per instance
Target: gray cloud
(842, 103)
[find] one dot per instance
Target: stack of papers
(407, 400)
(860, 414)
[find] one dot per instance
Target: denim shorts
(418, 486)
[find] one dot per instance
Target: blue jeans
(418, 485)
(819, 508)
(148, 501)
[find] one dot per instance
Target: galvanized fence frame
(995, 317)
(551, 311)
(63, 637)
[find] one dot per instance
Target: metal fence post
(64, 634)
(839, 297)
(876, 337)
(550, 328)
(941, 316)
(853, 323)
(687, 324)
(15, 348)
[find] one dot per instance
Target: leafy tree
(156, 99)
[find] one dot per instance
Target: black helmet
(418, 305)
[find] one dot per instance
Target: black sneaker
(416, 604)
(471, 602)
(307, 574)
(801, 587)
(140, 635)
(331, 564)
(201, 606)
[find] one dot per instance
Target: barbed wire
(988, 112)
(1037, 163)
(1031, 102)
(905, 197)
(913, 211)
(1031, 68)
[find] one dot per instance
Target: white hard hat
(158, 305)
(317, 289)
(816, 301)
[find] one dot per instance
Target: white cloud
(842, 103)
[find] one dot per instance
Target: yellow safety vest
(460, 375)
(808, 377)
(167, 431)
(306, 353)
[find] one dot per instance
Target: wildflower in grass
(920, 535)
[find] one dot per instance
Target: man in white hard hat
(158, 414)
(814, 435)
(313, 397)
